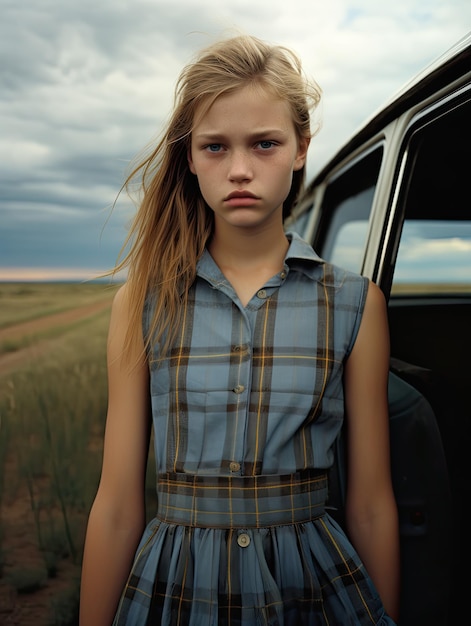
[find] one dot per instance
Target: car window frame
(386, 251)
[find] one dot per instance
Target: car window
(298, 223)
(434, 253)
(346, 212)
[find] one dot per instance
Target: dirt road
(14, 359)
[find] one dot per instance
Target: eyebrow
(256, 134)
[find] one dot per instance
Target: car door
(397, 209)
(425, 266)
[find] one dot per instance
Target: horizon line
(45, 274)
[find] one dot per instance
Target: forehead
(249, 104)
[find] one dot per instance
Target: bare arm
(117, 517)
(371, 511)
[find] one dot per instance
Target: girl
(244, 350)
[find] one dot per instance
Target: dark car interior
(431, 333)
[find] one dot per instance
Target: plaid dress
(246, 409)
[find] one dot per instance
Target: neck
(250, 259)
(266, 248)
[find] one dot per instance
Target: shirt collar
(300, 257)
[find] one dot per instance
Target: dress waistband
(241, 501)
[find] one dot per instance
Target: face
(244, 151)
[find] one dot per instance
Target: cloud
(86, 85)
(434, 251)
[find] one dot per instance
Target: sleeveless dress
(246, 409)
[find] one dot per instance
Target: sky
(85, 85)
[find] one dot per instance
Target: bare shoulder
(125, 342)
(374, 317)
(375, 300)
(371, 349)
(121, 297)
(120, 309)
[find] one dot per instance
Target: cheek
(205, 184)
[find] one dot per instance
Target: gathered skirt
(294, 573)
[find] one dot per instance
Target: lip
(241, 198)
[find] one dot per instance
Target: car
(393, 204)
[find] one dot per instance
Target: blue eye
(214, 147)
(266, 144)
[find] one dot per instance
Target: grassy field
(52, 408)
(22, 302)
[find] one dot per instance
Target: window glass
(434, 253)
(434, 256)
(346, 212)
(298, 223)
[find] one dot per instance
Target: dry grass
(430, 289)
(52, 409)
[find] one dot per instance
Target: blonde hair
(173, 224)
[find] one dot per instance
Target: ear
(190, 161)
(300, 160)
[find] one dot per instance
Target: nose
(240, 166)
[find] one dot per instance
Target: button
(234, 466)
(239, 389)
(283, 274)
(262, 293)
(243, 540)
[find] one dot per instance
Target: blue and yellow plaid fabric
(246, 408)
(241, 501)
